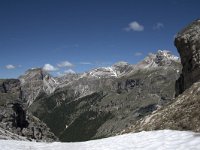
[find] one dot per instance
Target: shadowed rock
(187, 42)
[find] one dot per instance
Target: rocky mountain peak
(102, 72)
(34, 82)
(165, 54)
(33, 74)
(115, 70)
(120, 64)
(161, 58)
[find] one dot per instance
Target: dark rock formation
(188, 44)
(19, 116)
(14, 118)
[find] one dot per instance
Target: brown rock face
(188, 44)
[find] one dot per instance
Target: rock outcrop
(187, 42)
(7, 135)
(14, 118)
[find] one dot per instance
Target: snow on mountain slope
(152, 140)
(161, 58)
(115, 70)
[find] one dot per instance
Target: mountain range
(98, 103)
(159, 92)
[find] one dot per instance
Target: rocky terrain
(7, 135)
(183, 112)
(188, 44)
(14, 118)
(34, 82)
(103, 101)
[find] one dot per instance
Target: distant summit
(161, 58)
(36, 81)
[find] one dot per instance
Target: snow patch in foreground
(151, 140)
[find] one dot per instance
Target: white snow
(152, 140)
(167, 54)
(103, 72)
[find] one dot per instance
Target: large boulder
(187, 42)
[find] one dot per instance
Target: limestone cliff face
(187, 42)
(34, 82)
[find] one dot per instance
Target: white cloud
(49, 67)
(69, 71)
(62, 73)
(10, 66)
(134, 26)
(65, 64)
(158, 26)
(85, 63)
(138, 54)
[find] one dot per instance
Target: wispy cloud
(10, 66)
(158, 26)
(138, 54)
(69, 71)
(85, 63)
(65, 64)
(134, 26)
(49, 67)
(102, 64)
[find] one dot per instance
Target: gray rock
(187, 42)
(14, 117)
(34, 82)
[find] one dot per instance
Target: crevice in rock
(19, 117)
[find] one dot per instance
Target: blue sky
(84, 34)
